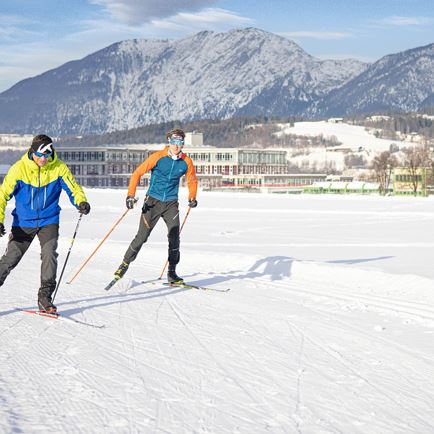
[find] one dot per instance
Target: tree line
(217, 132)
(388, 126)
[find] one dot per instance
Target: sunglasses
(43, 154)
(179, 142)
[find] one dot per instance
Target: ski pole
(180, 230)
(67, 256)
(99, 245)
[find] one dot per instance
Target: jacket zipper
(38, 201)
(168, 180)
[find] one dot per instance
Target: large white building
(15, 141)
(238, 168)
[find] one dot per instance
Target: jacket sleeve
(191, 179)
(7, 189)
(146, 166)
(70, 185)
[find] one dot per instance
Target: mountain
(397, 82)
(208, 75)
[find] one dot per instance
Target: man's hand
(130, 202)
(2, 229)
(84, 208)
(192, 203)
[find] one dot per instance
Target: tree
(416, 159)
(383, 166)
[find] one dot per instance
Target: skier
(36, 181)
(167, 167)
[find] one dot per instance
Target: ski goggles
(43, 154)
(176, 141)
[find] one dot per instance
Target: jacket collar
(28, 161)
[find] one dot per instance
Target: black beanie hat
(42, 143)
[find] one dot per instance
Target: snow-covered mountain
(208, 75)
(402, 81)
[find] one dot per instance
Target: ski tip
(112, 283)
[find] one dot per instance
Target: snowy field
(351, 136)
(328, 326)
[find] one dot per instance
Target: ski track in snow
(299, 345)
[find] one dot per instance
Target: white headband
(44, 148)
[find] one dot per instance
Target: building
(343, 187)
(378, 118)
(410, 182)
(273, 183)
(15, 141)
(234, 168)
(193, 139)
(103, 167)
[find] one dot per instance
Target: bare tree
(416, 159)
(383, 166)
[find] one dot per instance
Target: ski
(58, 316)
(179, 285)
(190, 286)
(41, 313)
(112, 283)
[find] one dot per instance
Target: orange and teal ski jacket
(165, 176)
(37, 191)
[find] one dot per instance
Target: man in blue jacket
(36, 181)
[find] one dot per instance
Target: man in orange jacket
(167, 167)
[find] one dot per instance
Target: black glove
(192, 203)
(84, 208)
(2, 229)
(130, 202)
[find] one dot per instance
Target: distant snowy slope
(351, 136)
(327, 327)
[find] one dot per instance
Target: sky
(36, 36)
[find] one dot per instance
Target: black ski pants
(152, 210)
(20, 239)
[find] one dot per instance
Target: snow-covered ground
(353, 137)
(328, 326)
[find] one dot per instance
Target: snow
(351, 136)
(354, 138)
(328, 326)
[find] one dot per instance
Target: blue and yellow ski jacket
(37, 191)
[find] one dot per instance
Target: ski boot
(173, 278)
(120, 272)
(45, 304)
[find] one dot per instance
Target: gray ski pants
(152, 210)
(20, 240)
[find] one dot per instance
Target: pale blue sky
(37, 35)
